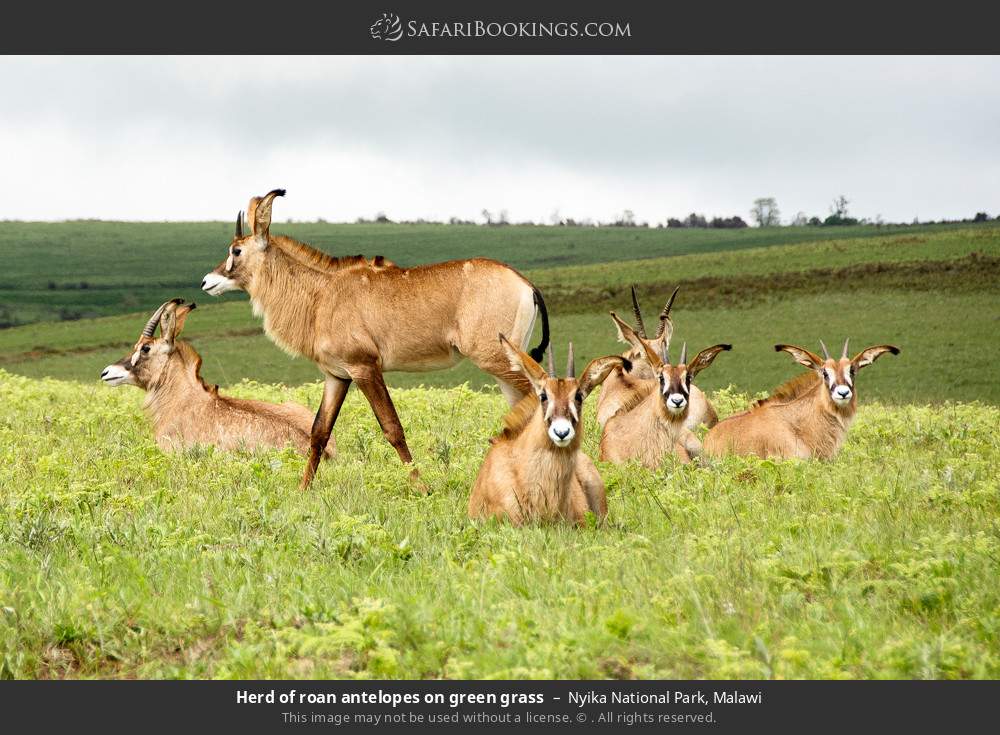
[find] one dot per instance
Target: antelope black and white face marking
(561, 405)
(839, 378)
(560, 400)
(675, 388)
(838, 375)
(674, 381)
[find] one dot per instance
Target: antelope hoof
(417, 483)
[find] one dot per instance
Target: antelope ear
(705, 358)
(259, 215)
(629, 336)
(172, 320)
(599, 369)
(802, 356)
(867, 356)
(522, 362)
(180, 316)
(626, 334)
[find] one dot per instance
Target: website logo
(387, 28)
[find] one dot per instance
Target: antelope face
(560, 400)
(561, 404)
(675, 388)
(839, 378)
(146, 364)
(246, 251)
(838, 375)
(675, 380)
(235, 272)
(141, 367)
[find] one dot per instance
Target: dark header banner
(513, 27)
(416, 706)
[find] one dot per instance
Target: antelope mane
(518, 418)
(319, 260)
(636, 395)
(791, 389)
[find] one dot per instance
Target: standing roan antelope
(808, 416)
(187, 412)
(652, 421)
(621, 383)
(535, 470)
(357, 319)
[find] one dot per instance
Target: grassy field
(120, 561)
(71, 270)
(117, 560)
(933, 294)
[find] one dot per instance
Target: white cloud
(192, 138)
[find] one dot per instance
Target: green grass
(920, 290)
(69, 270)
(932, 328)
(832, 253)
(118, 560)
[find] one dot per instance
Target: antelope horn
(570, 367)
(665, 314)
(638, 314)
(844, 353)
(826, 352)
(239, 223)
(552, 364)
(684, 354)
(665, 353)
(150, 327)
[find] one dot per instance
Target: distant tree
(800, 220)
(382, 219)
(487, 216)
(815, 221)
(695, 220)
(838, 213)
(674, 222)
(765, 212)
(504, 218)
(981, 217)
(626, 219)
(734, 222)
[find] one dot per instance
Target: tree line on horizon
(764, 213)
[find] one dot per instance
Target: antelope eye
(543, 397)
(579, 397)
(237, 251)
(145, 348)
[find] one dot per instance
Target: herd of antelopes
(358, 318)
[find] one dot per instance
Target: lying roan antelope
(653, 420)
(621, 383)
(806, 417)
(535, 470)
(357, 319)
(185, 411)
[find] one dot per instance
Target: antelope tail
(538, 352)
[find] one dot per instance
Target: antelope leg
(334, 391)
(372, 384)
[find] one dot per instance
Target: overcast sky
(161, 138)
